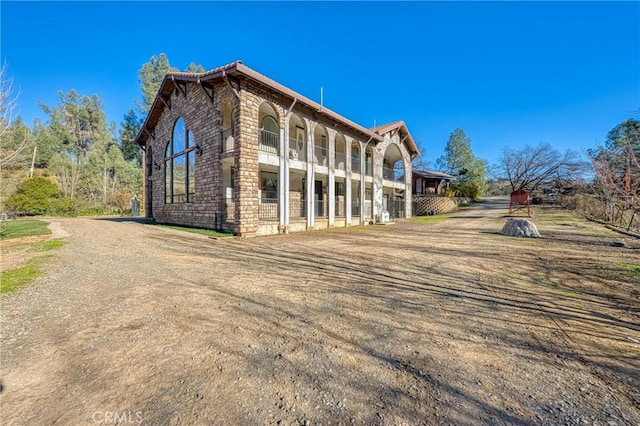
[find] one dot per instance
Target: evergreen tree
(129, 129)
(150, 77)
(458, 160)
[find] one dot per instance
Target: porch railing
(355, 208)
(320, 208)
(297, 150)
(397, 209)
(269, 141)
(268, 209)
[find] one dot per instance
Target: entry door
(318, 199)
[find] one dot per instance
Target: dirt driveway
(413, 323)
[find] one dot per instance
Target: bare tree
(530, 167)
(617, 172)
(11, 146)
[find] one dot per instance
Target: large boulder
(520, 228)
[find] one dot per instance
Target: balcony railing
(368, 168)
(340, 161)
(387, 173)
(269, 141)
(397, 209)
(226, 136)
(320, 155)
(355, 165)
(268, 209)
(297, 150)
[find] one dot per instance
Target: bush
(467, 190)
(64, 206)
(449, 192)
(33, 196)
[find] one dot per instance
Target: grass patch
(207, 232)
(629, 267)
(430, 219)
(16, 278)
(24, 228)
(50, 245)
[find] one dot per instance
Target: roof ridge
(205, 73)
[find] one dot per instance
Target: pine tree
(129, 129)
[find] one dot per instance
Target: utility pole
(33, 161)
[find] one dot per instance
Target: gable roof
(405, 136)
(238, 71)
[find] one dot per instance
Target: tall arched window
(180, 165)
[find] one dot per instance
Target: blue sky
(508, 73)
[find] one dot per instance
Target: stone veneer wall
(427, 205)
(200, 115)
(247, 182)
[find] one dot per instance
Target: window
(180, 166)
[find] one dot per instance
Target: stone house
(231, 149)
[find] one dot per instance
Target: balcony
(396, 175)
(340, 160)
(226, 136)
(269, 141)
(355, 165)
(297, 150)
(320, 155)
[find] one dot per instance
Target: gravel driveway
(412, 323)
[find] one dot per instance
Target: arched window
(180, 165)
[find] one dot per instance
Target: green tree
(458, 160)
(129, 129)
(624, 134)
(33, 196)
(78, 132)
(194, 68)
(150, 77)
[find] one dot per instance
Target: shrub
(467, 190)
(449, 192)
(33, 196)
(64, 206)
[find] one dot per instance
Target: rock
(520, 228)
